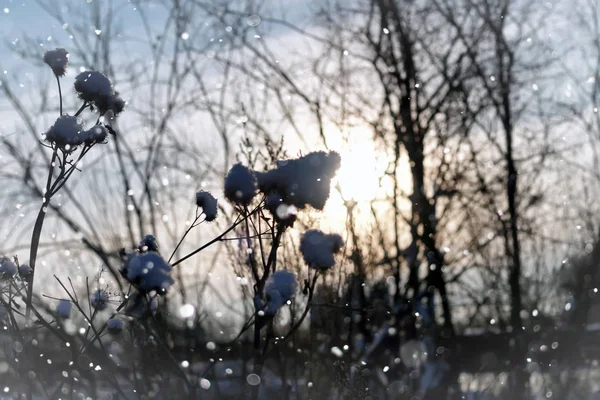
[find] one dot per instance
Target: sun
(360, 173)
(360, 178)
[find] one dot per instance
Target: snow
(147, 271)
(7, 269)
(99, 299)
(66, 132)
(148, 243)
(318, 248)
(280, 288)
(63, 308)
(303, 181)
(240, 185)
(114, 325)
(25, 270)
(208, 203)
(57, 59)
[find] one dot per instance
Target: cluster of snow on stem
(114, 325)
(148, 243)
(280, 288)
(63, 308)
(240, 185)
(318, 248)
(303, 181)
(8, 269)
(99, 299)
(95, 88)
(208, 203)
(147, 272)
(57, 59)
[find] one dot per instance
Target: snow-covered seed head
(99, 299)
(114, 325)
(208, 203)
(148, 272)
(57, 59)
(240, 185)
(25, 271)
(94, 87)
(63, 308)
(66, 132)
(148, 243)
(140, 305)
(318, 249)
(302, 182)
(8, 269)
(96, 134)
(279, 289)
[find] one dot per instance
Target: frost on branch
(240, 185)
(66, 133)
(280, 288)
(208, 203)
(318, 248)
(94, 87)
(147, 271)
(8, 269)
(303, 181)
(57, 59)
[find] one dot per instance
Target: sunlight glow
(360, 173)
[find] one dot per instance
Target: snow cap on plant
(303, 181)
(318, 248)
(114, 325)
(94, 87)
(148, 272)
(208, 203)
(140, 305)
(99, 299)
(281, 211)
(25, 270)
(66, 132)
(57, 59)
(280, 288)
(63, 308)
(96, 134)
(8, 269)
(148, 243)
(240, 185)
